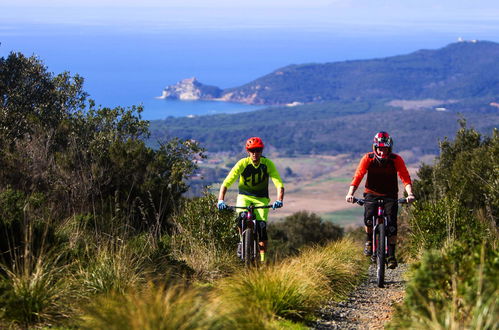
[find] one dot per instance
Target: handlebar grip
(358, 201)
(403, 201)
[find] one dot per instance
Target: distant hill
(454, 73)
(337, 107)
(458, 71)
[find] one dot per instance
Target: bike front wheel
(248, 247)
(380, 255)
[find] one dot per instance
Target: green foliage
(315, 128)
(85, 159)
(25, 225)
(425, 74)
(454, 229)
(204, 237)
(457, 190)
(434, 223)
(455, 287)
(35, 289)
(298, 230)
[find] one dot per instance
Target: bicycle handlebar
(361, 201)
(247, 207)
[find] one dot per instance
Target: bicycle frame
(249, 234)
(379, 237)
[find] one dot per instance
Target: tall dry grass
(276, 296)
(35, 290)
(154, 307)
(293, 289)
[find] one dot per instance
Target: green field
(346, 217)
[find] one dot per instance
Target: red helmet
(382, 139)
(254, 142)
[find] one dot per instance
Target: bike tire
(380, 255)
(248, 247)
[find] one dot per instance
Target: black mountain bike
(250, 252)
(380, 240)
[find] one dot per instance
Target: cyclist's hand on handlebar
(350, 199)
(411, 199)
(276, 205)
(221, 205)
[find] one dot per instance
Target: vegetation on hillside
(89, 213)
(328, 128)
(454, 236)
(458, 71)
(95, 231)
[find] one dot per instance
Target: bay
(124, 68)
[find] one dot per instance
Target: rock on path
(367, 307)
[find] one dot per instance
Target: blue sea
(130, 68)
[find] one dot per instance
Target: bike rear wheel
(248, 247)
(380, 255)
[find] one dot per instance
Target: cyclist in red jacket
(382, 167)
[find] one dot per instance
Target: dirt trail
(367, 307)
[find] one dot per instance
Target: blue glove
(276, 205)
(221, 205)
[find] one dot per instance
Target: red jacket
(381, 176)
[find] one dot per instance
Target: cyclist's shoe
(368, 248)
(392, 262)
(239, 249)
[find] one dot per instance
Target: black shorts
(391, 210)
(261, 227)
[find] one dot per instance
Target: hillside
(456, 72)
(418, 98)
(321, 129)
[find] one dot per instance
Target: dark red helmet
(254, 142)
(382, 139)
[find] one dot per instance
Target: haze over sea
(131, 66)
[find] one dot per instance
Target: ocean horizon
(132, 68)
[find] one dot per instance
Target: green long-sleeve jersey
(254, 180)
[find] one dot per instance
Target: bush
(455, 288)
(204, 237)
(298, 230)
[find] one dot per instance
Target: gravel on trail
(367, 307)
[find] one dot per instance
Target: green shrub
(456, 287)
(205, 238)
(435, 223)
(298, 230)
(36, 291)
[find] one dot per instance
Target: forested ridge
(323, 128)
(95, 230)
(459, 71)
(345, 103)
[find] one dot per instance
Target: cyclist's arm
(280, 194)
(222, 192)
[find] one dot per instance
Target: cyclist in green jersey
(254, 172)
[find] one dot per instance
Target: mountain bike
(249, 234)
(380, 239)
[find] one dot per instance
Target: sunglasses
(255, 150)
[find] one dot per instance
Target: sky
(480, 17)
